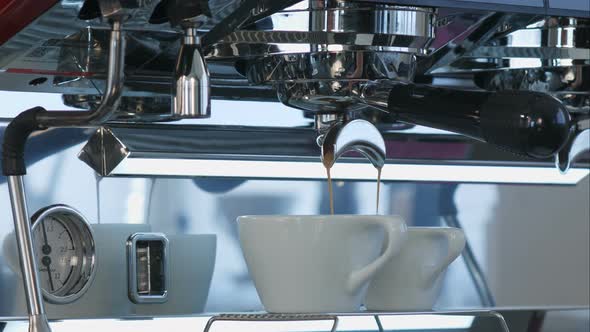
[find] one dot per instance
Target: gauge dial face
(64, 249)
(57, 256)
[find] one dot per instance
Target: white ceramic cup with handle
(307, 264)
(411, 281)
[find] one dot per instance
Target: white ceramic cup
(412, 280)
(305, 264)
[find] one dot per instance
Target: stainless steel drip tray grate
(363, 321)
(262, 318)
(497, 320)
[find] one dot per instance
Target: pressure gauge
(65, 253)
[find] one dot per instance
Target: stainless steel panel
(512, 6)
(107, 295)
(532, 3)
(28, 263)
(271, 153)
(459, 321)
(195, 178)
(524, 252)
(140, 262)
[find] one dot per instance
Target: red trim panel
(17, 14)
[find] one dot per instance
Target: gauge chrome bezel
(82, 235)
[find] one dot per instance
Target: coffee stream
(378, 187)
(328, 161)
(328, 166)
(330, 191)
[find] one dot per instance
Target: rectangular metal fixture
(147, 255)
(297, 170)
(291, 153)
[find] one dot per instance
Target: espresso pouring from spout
(337, 136)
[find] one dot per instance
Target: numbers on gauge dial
(56, 254)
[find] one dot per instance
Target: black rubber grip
(524, 122)
(15, 138)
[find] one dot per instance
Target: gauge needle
(46, 251)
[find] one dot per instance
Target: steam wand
(14, 168)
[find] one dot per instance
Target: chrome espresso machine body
(150, 126)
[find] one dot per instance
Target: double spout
(338, 136)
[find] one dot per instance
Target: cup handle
(396, 231)
(456, 242)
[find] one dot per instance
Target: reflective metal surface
(107, 296)
(458, 38)
(477, 274)
(274, 153)
(346, 66)
(191, 87)
(578, 145)
(357, 135)
(110, 9)
(112, 95)
(491, 214)
(571, 85)
(38, 323)
(265, 318)
(461, 321)
(318, 54)
(81, 266)
(511, 42)
(141, 260)
(316, 26)
(131, 109)
(103, 152)
(272, 170)
(530, 241)
(30, 272)
(72, 59)
(328, 82)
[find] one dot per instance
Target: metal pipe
(22, 230)
(477, 275)
(43, 119)
(112, 96)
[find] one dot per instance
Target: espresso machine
(144, 128)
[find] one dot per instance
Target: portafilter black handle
(524, 122)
